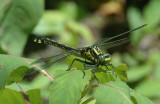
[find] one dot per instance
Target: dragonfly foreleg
(85, 62)
(87, 65)
(96, 66)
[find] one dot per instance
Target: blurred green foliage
(78, 24)
(144, 74)
(18, 18)
(62, 22)
(11, 96)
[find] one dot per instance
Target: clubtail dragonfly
(92, 55)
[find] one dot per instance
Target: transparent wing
(109, 39)
(113, 43)
(48, 61)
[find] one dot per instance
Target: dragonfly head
(105, 58)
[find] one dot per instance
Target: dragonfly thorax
(104, 58)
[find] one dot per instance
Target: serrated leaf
(121, 71)
(103, 75)
(34, 96)
(139, 99)
(113, 93)
(9, 65)
(17, 24)
(68, 86)
(9, 96)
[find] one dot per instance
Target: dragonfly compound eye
(107, 58)
(107, 55)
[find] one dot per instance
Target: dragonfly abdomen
(44, 40)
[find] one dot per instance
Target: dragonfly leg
(71, 64)
(96, 66)
(84, 66)
(79, 61)
(87, 65)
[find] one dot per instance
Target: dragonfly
(91, 56)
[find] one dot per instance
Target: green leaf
(90, 100)
(130, 60)
(12, 69)
(135, 20)
(76, 64)
(69, 9)
(17, 75)
(121, 71)
(26, 86)
(17, 24)
(88, 89)
(113, 93)
(40, 78)
(34, 96)
(139, 99)
(134, 17)
(68, 86)
(69, 38)
(157, 70)
(9, 96)
(52, 22)
(151, 11)
(136, 73)
(80, 29)
(37, 82)
(155, 61)
(149, 88)
(103, 75)
(60, 23)
(4, 5)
